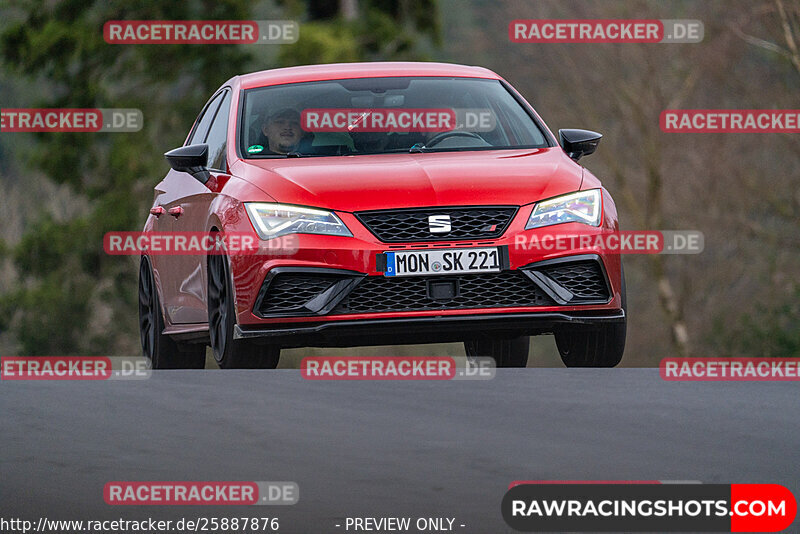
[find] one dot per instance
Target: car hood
(384, 181)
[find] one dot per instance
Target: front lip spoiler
(429, 329)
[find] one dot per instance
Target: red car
(399, 197)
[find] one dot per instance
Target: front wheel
(231, 353)
(594, 348)
(506, 352)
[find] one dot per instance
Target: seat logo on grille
(439, 224)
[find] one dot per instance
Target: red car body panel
(385, 181)
(345, 184)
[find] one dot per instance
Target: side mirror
(578, 143)
(192, 159)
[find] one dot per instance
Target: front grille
(584, 279)
(396, 226)
(375, 294)
(288, 292)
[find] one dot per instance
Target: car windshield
(384, 115)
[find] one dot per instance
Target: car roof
(340, 71)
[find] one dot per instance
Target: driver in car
(282, 131)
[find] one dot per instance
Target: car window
(218, 135)
(204, 121)
(383, 115)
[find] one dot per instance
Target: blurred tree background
(59, 193)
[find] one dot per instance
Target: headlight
(273, 220)
(583, 207)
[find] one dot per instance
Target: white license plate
(443, 261)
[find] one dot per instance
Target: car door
(174, 195)
(190, 299)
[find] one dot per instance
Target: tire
(228, 352)
(506, 352)
(162, 351)
(601, 348)
(595, 348)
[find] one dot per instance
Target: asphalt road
(398, 449)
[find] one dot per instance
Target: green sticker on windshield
(255, 149)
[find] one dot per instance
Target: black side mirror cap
(192, 159)
(579, 143)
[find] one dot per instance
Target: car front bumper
(361, 300)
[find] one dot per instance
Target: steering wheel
(438, 138)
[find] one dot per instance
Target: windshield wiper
(418, 148)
